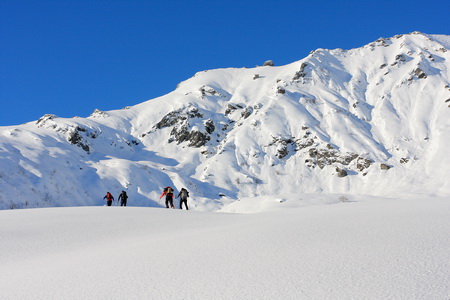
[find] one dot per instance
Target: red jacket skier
(168, 191)
(109, 198)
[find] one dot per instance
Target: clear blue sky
(69, 57)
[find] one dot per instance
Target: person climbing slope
(109, 198)
(123, 196)
(183, 195)
(168, 191)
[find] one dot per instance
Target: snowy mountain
(373, 121)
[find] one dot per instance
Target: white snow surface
(356, 248)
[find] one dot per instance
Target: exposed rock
(197, 139)
(404, 160)
(320, 154)
(323, 157)
(363, 163)
(46, 117)
(133, 142)
(177, 116)
(247, 112)
(282, 151)
(301, 73)
(341, 172)
(43, 120)
(269, 63)
(74, 137)
(301, 144)
(282, 146)
(99, 114)
(208, 91)
(182, 134)
(281, 90)
(399, 59)
(230, 109)
(385, 167)
(419, 73)
(383, 42)
(258, 106)
(209, 126)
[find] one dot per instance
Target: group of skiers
(183, 195)
(168, 192)
(122, 198)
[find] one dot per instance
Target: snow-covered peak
(371, 120)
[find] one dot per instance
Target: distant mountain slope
(372, 120)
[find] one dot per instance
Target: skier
(183, 195)
(109, 198)
(168, 191)
(123, 196)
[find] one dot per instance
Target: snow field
(363, 248)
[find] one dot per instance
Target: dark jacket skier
(109, 198)
(168, 191)
(183, 195)
(123, 197)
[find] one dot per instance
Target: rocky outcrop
(341, 172)
(194, 137)
(385, 167)
(182, 129)
(420, 73)
(178, 116)
(99, 114)
(301, 73)
(247, 112)
(44, 120)
(318, 153)
(400, 58)
(75, 138)
(230, 108)
(281, 90)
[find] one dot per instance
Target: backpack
(184, 194)
(169, 190)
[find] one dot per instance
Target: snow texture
(356, 248)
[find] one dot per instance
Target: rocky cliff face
(372, 120)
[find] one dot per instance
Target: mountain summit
(372, 120)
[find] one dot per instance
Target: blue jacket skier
(123, 196)
(183, 195)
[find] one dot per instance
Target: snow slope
(361, 248)
(331, 123)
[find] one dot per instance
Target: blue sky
(70, 57)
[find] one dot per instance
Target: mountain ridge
(337, 121)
